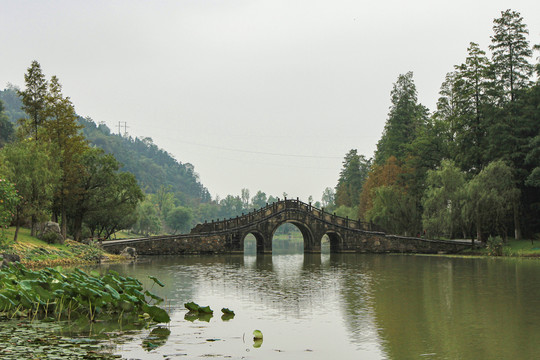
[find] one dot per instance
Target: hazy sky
(260, 94)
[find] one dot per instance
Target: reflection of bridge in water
(228, 235)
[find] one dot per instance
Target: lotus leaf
(156, 281)
(206, 310)
(227, 311)
(191, 306)
(157, 313)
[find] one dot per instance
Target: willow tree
(492, 194)
(443, 200)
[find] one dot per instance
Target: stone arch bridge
(228, 235)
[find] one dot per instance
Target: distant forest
(152, 166)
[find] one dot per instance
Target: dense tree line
(163, 213)
(55, 172)
(472, 167)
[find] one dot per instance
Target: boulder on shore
(10, 258)
(129, 253)
(51, 233)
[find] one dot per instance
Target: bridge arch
(336, 240)
(260, 240)
(305, 230)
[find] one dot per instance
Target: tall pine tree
(33, 100)
(64, 132)
(405, 118)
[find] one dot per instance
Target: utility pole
(120, 128)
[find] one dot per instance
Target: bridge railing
(282, 205)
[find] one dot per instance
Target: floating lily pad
(191, 306)
(227, 317)
(206, 310)
(227, 311)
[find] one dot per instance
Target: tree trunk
(479, 235)
(517, 224)
(77, 227)
(64, 223)
(33, 225)
(17, 225)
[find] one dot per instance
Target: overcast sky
(260, 94)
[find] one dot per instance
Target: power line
(260, 152)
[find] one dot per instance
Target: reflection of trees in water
(286, 284)
(455, 308)
(356, 299)
(412, 305)
(283, 284)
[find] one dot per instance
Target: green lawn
(513, 247)
(35, 252)
(521, 248)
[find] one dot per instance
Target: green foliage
(148, 221)
(33, 171)
(9, 199)
(231, 206)
(7, 131)
(405, 119)
(259, 200)
(156, 281)
(191, 306)
(494, 195)
(114, 207)
(153, 167)
(164, 200)
(12, 103)
(511, 52)
(33, 100)
(495, 246)
(328, 198)
(72, 295)
(179, 219)
(473, 94)
(351, 179)
(395, 211)
(443, 200)
(487, 122)
(346, 211)
(50, 238)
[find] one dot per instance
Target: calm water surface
(344, 306)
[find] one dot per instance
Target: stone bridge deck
(227, 236)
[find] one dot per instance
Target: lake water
(343, 306)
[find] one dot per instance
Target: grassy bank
(512, 248)
(37, 253)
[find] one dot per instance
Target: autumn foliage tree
(386, 174)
